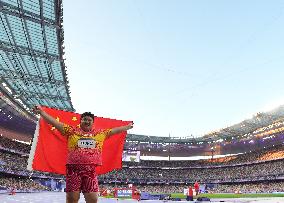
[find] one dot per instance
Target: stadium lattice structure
(32, 67)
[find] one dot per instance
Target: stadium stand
(33, 72)
(237, 174)
(22, 184)
(271, 170)
(261, 155)
(9, 145)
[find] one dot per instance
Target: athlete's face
(86, 123)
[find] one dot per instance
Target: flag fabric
(49, 148)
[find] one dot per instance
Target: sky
(175, 67)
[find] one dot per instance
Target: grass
(218, 196)
(221, 196)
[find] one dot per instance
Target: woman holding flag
(84, 154)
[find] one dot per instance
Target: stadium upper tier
(21, 126)
(260, 122)
(32, 68)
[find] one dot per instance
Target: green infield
(225, 195)
(218, 196)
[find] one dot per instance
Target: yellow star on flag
(74, 118)
(57, 118)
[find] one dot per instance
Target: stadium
(244, 160)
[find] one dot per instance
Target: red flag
(49, 147)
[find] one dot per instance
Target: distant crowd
(265, 154)
(169, 176)
(267, 187)
(21, 184)
(268, 170)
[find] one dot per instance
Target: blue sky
(181, 67)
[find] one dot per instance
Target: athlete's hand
(36, 110)
(130, 125)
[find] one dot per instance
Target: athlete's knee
(92, 200)
(72, 197)
(91, 197)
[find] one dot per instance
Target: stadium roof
(32, 68)
(258, 121)
(261, 119)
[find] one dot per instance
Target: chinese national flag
(49, 147)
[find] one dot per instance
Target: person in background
(189, 194)
(196, 187)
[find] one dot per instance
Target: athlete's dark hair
(87, 114)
